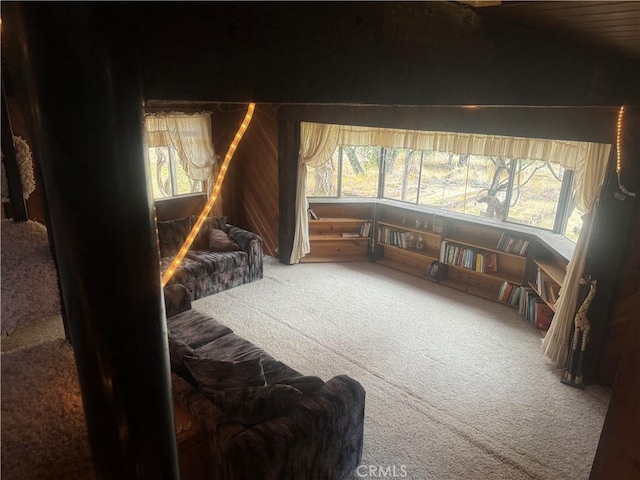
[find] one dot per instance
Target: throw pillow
(252, 405)
(172, 234)
(215, 375)
(220, 242)
(201, 241)
(178, 351)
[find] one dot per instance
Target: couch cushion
(172, 234)
(177, 299)
(251, 405)
(275, 371)
(196, 329)
(232, 348)
(203, 262)
(220, 242)
(178, 350)
(215, 374)
(306, 384)
(201, 241)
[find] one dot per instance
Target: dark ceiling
(611, 26)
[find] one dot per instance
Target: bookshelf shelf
(339, 234)
(552, 306)
(409, 252)
(417, 231)
(336, 238)
(485, 248)
(555, 271)
(496, 276)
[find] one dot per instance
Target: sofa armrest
(252, 244)
(177, 299)
(321, 438)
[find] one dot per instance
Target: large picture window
(533, 192)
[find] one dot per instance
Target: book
(552, 292)
(350, 235)
(490, 262)
(312, 215)
(543, 316)
(510, 244)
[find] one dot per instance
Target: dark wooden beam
(587, 124)
(18, 208)
(288, 148)
(81, 71)
(379, 53)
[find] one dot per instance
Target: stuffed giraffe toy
(582, 326)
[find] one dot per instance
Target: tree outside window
(523, 191)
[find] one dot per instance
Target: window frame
(561, 216)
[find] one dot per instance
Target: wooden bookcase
(407, 241)
(336, 235)
(548, 274)
(481, 241)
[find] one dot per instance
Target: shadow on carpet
(44, 434)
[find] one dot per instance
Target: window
(351, 172)
(528, 192)
(181, 153)
(168, 177)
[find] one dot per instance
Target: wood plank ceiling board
(612, 26)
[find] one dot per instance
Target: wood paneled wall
(250, 193)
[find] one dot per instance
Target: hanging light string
(212, 199)
(619, 152)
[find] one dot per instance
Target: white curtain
(317, 144)
(589, 177)
(190, 135)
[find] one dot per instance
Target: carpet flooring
(44, 435)
(457, 386)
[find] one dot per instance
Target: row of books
(547, 288)
(399, 238)
(510, 293)
(511, 244)
(365, 229)
(467, 257)
(534, 309)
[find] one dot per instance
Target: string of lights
(212, 199)
(619, 153)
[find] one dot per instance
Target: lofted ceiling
(611, 26)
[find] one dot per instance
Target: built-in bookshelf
(407, 241)
(339, 234)
(511, 267)
(476, 261)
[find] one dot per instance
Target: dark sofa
(315, 434)
(205, 271)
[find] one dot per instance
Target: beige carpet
(44, 435)
(457, 386)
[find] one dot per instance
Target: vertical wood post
(79, 64)
(18, 205)
(288, 150)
